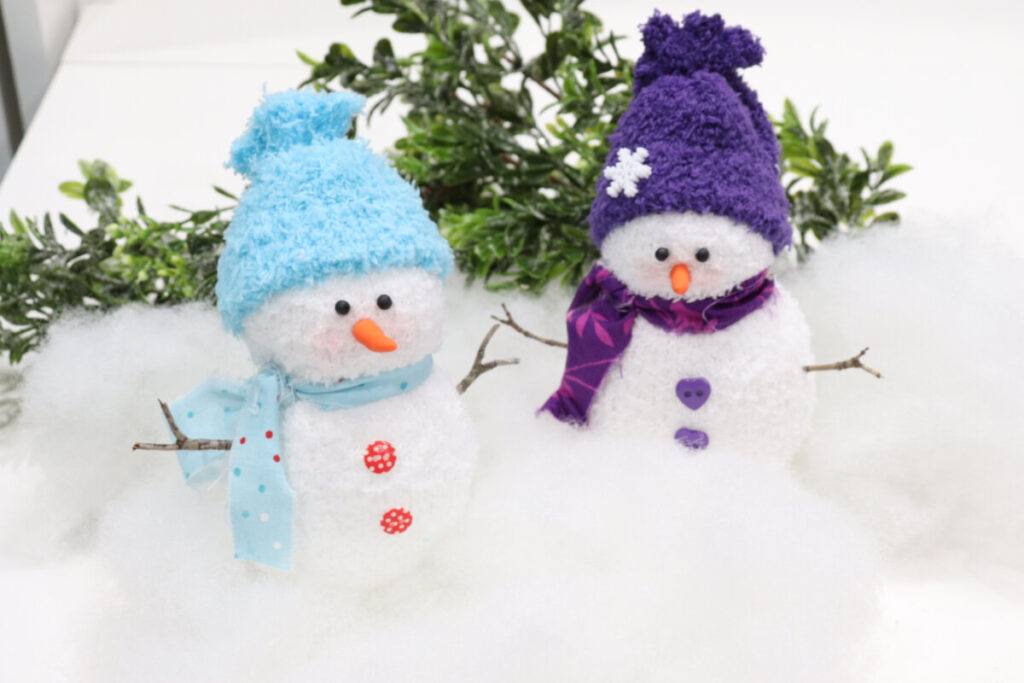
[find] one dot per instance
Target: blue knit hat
(695, 137)
(318, 205)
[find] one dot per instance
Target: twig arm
(854, 362)
(179, 435)
(479, 366)
(182, 442)
(510, 322)
(845, 365)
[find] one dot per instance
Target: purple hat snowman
(679, 331)
(695, 137)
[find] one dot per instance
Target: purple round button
(693, 392)
(691, 438)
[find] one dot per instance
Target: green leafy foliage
(10, 405)
(121, 259)
(505, 147)
(828, 191)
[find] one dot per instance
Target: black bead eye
(661, 254)
(703, 254)
(383, 302)
(341, 307)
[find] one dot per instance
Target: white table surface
(160, 89)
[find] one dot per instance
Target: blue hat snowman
(318, 205)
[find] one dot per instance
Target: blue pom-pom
(289, 119)
(700, 43)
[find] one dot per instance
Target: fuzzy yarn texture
(584, 556)
(345, 504)
(703, 136)
(600, 323)
(341, 500)
(318, 205)
(249, 414)
(300, 330)
(579, 557)
(761, 401)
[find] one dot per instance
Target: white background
(160, 89)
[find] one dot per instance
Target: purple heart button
(693, 439)
(693, 392)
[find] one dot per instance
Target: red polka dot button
(396, 520)
(380, 457)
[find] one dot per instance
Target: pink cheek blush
(330, 341)
(655, 276)
(706, 276)
(704, 280)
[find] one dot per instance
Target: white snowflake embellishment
(625, 174)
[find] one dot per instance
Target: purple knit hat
(695, 137)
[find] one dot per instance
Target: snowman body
(743, 387)
(689, 215)
(377, 486)
(740, 389)
(332, 274)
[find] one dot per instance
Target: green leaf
(824, 149)
(893, 171)
(17, 224)
(73, 189)
(70, 225)
(888, 217)
(409, 22)
(884, 155)
(884, 197)
(306, 59)
(384, 56)
(200, 217)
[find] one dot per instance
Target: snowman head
(684, 255)
(689, 203)
(332, 268)
(349, 326)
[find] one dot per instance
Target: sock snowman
(350, 453)
(679, 330)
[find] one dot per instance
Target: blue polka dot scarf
(249, 414)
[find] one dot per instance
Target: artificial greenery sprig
(828, 191)
(120, 260)
(506, 148)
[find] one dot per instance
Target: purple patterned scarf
(600, 324)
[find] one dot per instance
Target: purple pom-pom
(700, 43)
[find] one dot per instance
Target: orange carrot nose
(372, 337)
(680, 278)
